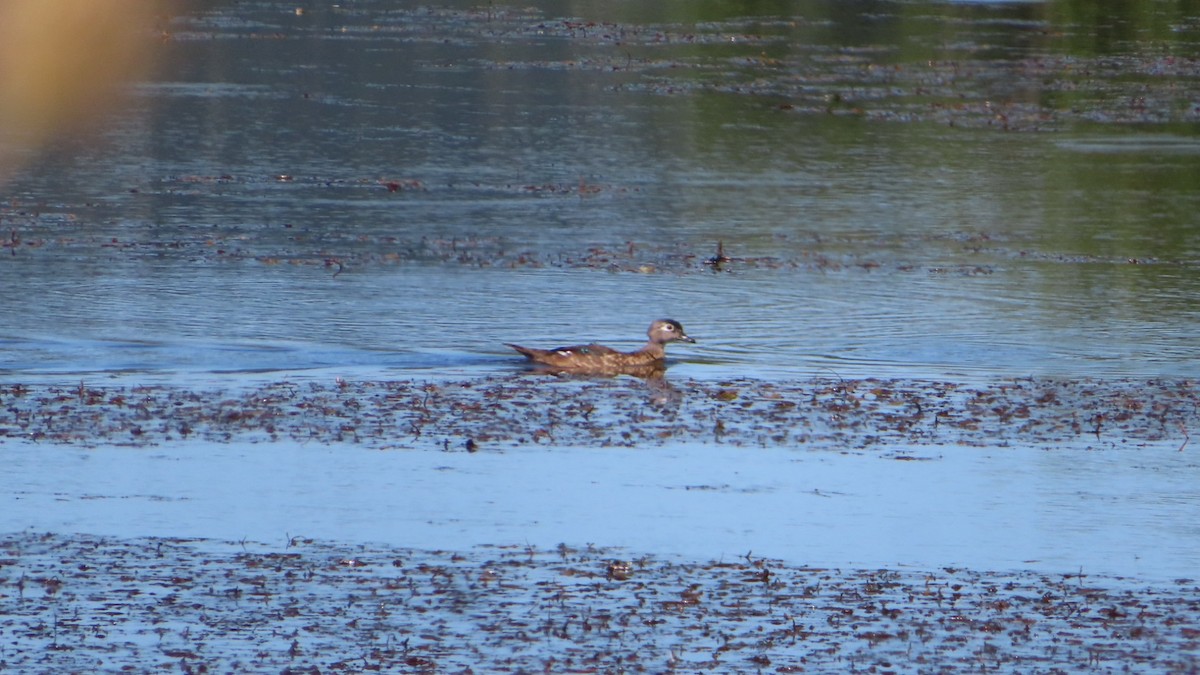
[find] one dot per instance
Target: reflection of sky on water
(1107, 512)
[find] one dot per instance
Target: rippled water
(895, 201)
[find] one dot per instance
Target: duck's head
(667, 330)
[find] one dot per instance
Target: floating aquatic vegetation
(496, 413)
(84, 603)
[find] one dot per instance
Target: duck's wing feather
(565, 356)
(581, 350)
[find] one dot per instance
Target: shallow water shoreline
(83, 602)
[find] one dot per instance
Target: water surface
(958, 191)
(994, 509)
(212, 213)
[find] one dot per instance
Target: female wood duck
(598, 359)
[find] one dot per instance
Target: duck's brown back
(587, 357)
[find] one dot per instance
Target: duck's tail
(530, 354)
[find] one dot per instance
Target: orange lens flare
(62, 64)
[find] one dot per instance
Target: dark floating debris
(84, 604)
(720, 258)
(494, 413)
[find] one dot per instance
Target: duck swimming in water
(598, 359)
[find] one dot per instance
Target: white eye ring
(669, 327)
